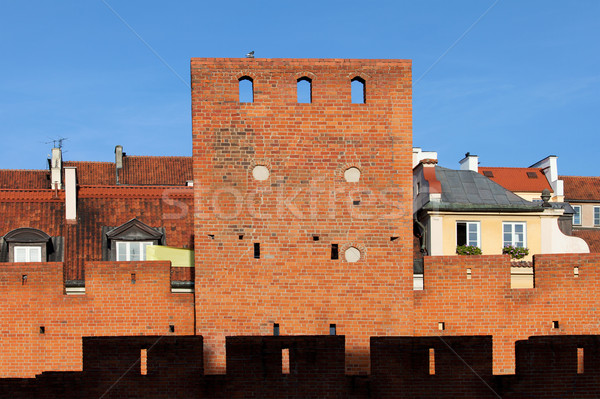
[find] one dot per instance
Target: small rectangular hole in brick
(431, 361)
(276, 329)
(357, 202)
(285, 361)
(211, 236)
(42, 330)
(335, 254)
(171, 328)
(468, 274)
(441, 326)
(580, 368)
(315, 238)
(241, 236)
(576, 272)
(24, 279)
(394, 238)
(133, 278)
(143, 361)
(555, 324)
(256, 250)
(332, 329)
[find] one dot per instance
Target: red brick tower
(281, 187)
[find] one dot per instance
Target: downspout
(424, 236)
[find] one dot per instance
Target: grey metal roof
(465, 190)
(563, 205)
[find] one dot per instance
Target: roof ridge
(88, 162)
(158, 156)
(24, 170)
(508, 167)
(585, 177)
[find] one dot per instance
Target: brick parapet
(112, 305)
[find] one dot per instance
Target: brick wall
(486, 305)
(112, 306)
(307, 148)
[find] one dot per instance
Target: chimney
(71, 193)
(469, 162)
(118, 160)
(56, 169)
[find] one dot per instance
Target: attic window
(488, 173)
(532, 175)
(129, 241)
(28, 245)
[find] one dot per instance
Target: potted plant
(515, 252)
(468, 250)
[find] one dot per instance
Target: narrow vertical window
(359, 93)
(597, 216)
(332, 329)
(246, 87)
(256, 250)
(304, 90)
(335, 254)
(431, 361)
(580, 368)
(276, 329)
(285, 361)
(143, 361)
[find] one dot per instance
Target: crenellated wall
(114, 304)
(485, 304)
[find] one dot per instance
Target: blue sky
(521, 84)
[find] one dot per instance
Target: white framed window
(515, 234)
(27, 254)
(468, 233)
(597, 216)
(577, 215)
(132, 250)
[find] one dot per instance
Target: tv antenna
(55, 141)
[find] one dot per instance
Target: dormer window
(27, 244)
(27, 253)
(132, 250)
(129, 241)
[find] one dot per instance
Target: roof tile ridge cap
(50, 190)
(24, 170)
(509, 167)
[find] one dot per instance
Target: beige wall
(491, 231)
(587, 214)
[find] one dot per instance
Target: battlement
(42, 326)
(313, 367)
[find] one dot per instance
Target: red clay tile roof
(24, 179)
(517, 179)
(581, 188)
(145, 170)
(93, 173)
(591, 236)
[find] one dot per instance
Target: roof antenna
(55, 141)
